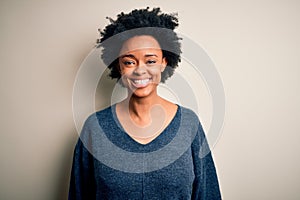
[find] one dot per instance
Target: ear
(163, 64)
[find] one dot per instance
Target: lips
(140, 83)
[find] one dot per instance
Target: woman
(144, 147)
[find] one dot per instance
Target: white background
(255, 46)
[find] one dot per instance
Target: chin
(144, 92)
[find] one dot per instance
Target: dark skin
(143, 114)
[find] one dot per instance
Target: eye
(151, 62)
(128, 63)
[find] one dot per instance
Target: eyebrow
(132, 56)
(150, 55)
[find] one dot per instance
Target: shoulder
(188, 115)
(104, 113)
(93, 120)
(95, 125)
(191, 122)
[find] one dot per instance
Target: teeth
(143, 81)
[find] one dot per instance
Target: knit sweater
(109, 164)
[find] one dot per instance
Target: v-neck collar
(117, 135)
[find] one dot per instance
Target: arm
(82, 185)
(205, 186)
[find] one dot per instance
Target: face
(141, 64)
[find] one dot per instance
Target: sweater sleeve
(205, 186)
(82, 185)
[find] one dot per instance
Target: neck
(141, 106)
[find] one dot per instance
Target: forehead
(140, 43)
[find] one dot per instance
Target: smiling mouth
(140, 83)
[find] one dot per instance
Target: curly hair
(141, 22)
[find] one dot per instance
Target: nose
(140, 69)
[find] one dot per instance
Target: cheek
(156, 75)
(155, 72)
(125, 71)
(124, 74)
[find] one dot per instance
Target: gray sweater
(109, 164)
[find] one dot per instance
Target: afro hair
(141, 22)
